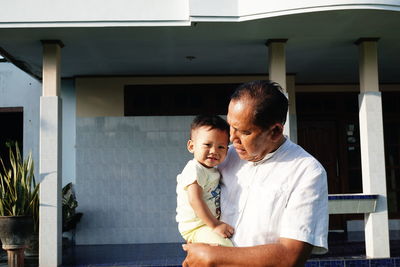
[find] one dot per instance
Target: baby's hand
(224, 230)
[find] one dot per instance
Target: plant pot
(15, 232)
(32, 246)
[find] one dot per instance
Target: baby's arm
(195, 193)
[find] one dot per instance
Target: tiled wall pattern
(126, 171)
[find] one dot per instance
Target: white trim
(92, 24)
(352, 206)
(292, 12)
(195, 18)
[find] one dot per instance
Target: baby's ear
(190, 146)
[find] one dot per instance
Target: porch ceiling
(320, 47)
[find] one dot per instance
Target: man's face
(251, 142)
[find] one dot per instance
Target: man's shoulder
(232, 154)
(232, 159)
(302, 158)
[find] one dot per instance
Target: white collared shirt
(283, 195)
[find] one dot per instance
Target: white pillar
(277, 73)
(372, 150)
(50, 224)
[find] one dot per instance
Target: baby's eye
(207, 145)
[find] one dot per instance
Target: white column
(372, 150)
(277, 73)
(50, 224)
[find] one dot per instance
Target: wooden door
(319, 138)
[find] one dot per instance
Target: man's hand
(197, 255)
(287, 252)
(224, 230)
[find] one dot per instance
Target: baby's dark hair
(212, 121)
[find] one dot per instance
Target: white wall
(126, 178)
(68, 131)
(50, 13)
(18, 89)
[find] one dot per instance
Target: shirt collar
(270, 155)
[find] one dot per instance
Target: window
(177, 99)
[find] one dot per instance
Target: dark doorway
(319, 138)
(328, 130)
(391, 123)
(12, 122)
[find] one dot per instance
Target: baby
(198, 190)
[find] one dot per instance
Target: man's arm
(285, 253)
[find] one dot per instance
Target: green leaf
(18, 189)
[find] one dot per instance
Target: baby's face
(209, 146)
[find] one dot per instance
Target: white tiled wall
(126, 171)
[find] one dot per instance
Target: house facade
(121, 81)
(19, 115)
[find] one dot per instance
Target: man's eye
(222, 147)
(246, 132)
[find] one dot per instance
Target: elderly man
(273, 192)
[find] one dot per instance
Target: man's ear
(277, 131)
(190, 146)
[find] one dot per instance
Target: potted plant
(32, 248)
(18, 199)
(70, 217)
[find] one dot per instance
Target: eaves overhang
(245, 10)
(320, 47)
(158, 13)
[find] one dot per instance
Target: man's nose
(232, 134)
